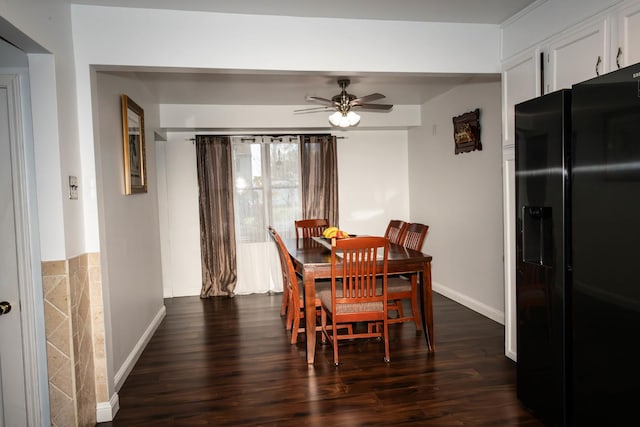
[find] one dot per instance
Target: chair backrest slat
(414, 235)
(395, 230)
(306, 228)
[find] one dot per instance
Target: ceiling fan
(344, 102)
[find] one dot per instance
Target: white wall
(460, 198)
(181, 232)
(373, 188)
(373, 180)
(43, 29)
(129, 228)
(170, 38)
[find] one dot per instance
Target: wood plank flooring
(227, 362)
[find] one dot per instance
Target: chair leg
(414, 303)
(385, 325)
(320, 313)
(294, 329)
(335, 343)
(290, 314)
(323, 323)
(285, 301)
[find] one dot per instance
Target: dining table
(312, 260)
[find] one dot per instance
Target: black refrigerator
(578, 252)
(543, 142)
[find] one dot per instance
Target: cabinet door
(520, 82)
(509, 212)
(578, 56)
(628, 52)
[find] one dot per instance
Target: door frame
(27, 252)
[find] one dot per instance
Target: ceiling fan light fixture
(335, 118)
(353, 118)
(344, 120)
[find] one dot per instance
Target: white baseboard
(477, 306)
(124, 371)
(106, 411)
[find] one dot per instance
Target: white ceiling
(256, 88)
(477, 11)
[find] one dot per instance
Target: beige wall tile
(63, 412)
(74, 324)
(54, 268)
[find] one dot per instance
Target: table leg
(426, 306)
(310, 314)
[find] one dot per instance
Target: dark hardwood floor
(227, 362)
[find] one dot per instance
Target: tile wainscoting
(74, 322)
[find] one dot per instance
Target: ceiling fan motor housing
(343, 100)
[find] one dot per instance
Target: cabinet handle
(598, 62)
(618, 57)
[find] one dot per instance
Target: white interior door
(12, 374)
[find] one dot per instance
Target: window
(266, 189)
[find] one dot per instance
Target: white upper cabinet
(520, 82)
(627, 51)
(578, 55)
(599, 46)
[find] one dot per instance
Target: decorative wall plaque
(466, 132)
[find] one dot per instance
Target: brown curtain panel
(217, 229)
(319, 177)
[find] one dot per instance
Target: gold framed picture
(135, 165)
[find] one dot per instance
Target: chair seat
(398, 284)
(320, 287)
(364, 307)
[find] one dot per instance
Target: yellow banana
(329, 232)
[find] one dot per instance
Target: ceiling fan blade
(367, 98)
(312, 109)
(374, 106)
(318, 99)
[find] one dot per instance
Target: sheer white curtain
(266, 174)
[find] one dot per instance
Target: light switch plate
(73, 187)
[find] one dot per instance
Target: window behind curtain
(266, 173)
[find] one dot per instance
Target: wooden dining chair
(401, 287)
(285, 282)
(395, 230)
(354, 295)
(292, 283)
(310, 227)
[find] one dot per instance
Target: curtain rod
(271, 136)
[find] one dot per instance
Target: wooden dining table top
(312, 260)
(311, 253)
